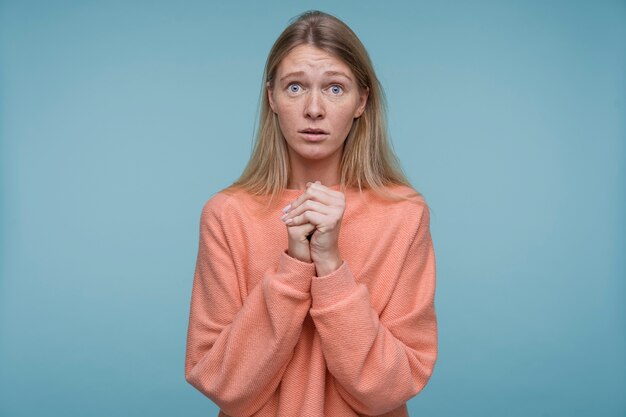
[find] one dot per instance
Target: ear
(363, 95)
(269, 95)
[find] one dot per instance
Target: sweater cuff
(295, 273)
(332, 288)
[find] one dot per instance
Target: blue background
(118, 120)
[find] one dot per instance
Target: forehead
(311, 59)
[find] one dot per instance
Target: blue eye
(293, 88)
(335, 89)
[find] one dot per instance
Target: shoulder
(415, 201)
(221, 202)
(395, 207)
(227, 203)
(402, 200)
(412, 212)
(215, 204)
(411, 195)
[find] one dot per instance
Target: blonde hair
(368, 160)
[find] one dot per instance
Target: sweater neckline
(288, 193)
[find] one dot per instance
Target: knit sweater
(267, 337)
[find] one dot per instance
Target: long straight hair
(368, 160)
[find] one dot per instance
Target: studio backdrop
(120, 119)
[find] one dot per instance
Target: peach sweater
(267, 337)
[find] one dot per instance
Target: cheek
(286, 118)
(344, 116)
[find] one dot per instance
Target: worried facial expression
(316, 98)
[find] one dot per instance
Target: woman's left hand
(322, 207)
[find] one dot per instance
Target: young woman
(314, 287)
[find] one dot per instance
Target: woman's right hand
(298, 245)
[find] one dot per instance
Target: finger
(317, 185)
(302, 197)
(324, 196)
(303, 231)
(311, 205)
(312, 217)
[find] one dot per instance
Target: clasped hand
(316, 215)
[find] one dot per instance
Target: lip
(313, 130)
(313, 134)
(313, 137)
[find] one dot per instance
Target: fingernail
(286, 208)
(289, 221)
(283, 216)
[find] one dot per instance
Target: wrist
(327, 266)
(299, 252)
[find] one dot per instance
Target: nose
(314, 106)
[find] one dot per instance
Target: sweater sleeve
(380, 362)
(238, 349)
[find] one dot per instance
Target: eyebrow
(301, 73)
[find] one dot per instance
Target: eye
(336, 89)
(293, 88)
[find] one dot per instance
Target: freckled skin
(316, 97)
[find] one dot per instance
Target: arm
(237, 349)
(380, 363)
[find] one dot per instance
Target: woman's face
(316, 98)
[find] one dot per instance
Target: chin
(314, 157)
(317, 154)
(314, 152)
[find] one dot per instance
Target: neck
(305, 170)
